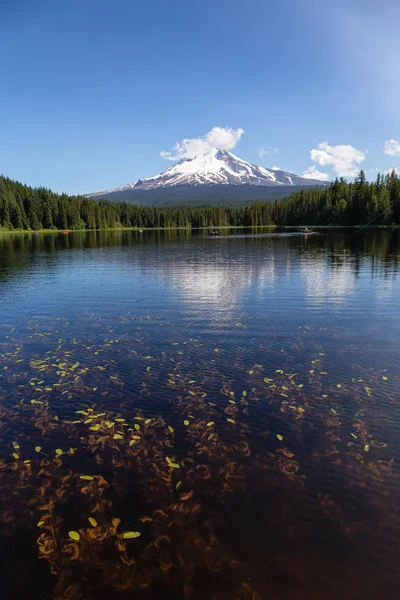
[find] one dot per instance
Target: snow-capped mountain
(218, 167)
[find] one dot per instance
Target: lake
(187, 416)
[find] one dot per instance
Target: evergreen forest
(341, 203)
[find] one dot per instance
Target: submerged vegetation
(342, 203)
(155, 481)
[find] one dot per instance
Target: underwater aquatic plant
(107, 484)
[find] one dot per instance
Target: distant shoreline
(222, 227)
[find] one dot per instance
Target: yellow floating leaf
(231, 421)
(95, 427)
(251, 372)
(133, 442)
(147, 421)
(92, 521)
(38, 448)
(137, 426)
(74, 535)
(86, 477)
(324, 395)
(366, 448)
(210, 424)
(178, 486)
(186, 422)
(174, 465)
(40, 523)
(15, 455)
(334, 411)
(59, 451)
(192, 381)
(279, 436)
(117, 436)
(354, 436)
(384, 377)
(187, 496)
(339, 385)
(171, 429)
(129, 535)
(244, 394)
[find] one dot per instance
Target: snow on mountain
(218, 167)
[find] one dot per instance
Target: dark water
(233, 400)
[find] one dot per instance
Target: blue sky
(93, 91)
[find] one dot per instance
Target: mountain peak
(219, 167)
(216, 167)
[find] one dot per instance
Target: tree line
(341, 203)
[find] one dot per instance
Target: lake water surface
(185, 416)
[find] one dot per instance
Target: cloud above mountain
(344, 159)
(313, 173)
(223, 138)
(392, 148)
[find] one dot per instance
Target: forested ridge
(342, 203)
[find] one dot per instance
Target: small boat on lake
(215, 232)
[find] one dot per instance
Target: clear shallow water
(224, 344)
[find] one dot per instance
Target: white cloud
(268, 150)
(389, 171)
(167, 155)
(313, 173)
(392, 147)
(275, 168)
(345, 159)
(223, 138)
